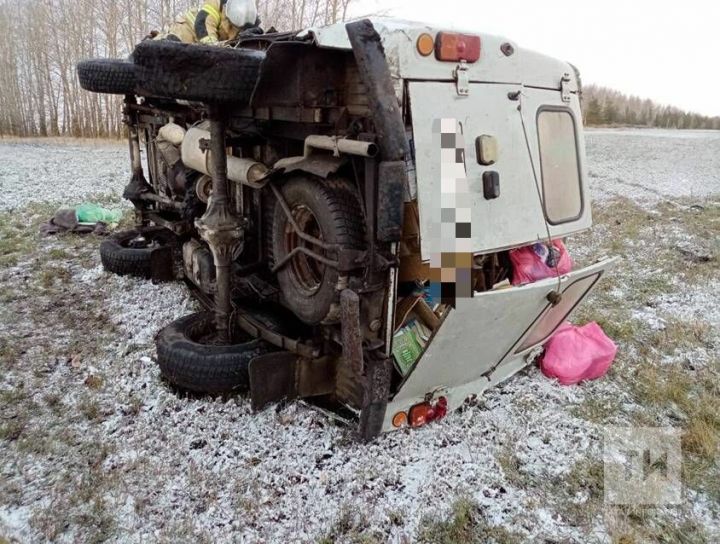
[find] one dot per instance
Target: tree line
(603, 106)
(42, 40)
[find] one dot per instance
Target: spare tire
(135, 253)
(196, 72)
(188, 359)
(330, 211)
(111, 76)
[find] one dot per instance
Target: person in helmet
(216, 21)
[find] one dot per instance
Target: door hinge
(565, 87)
(462, 80)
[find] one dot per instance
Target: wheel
(189, 359)
(197, 72)
(131, 252)
(329, 212)
(112, 76)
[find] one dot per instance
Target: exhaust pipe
(246, 171)
(339, 145)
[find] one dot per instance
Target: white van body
(526, 102)
(529, 104)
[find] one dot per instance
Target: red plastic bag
(575, 354)
(538, 261)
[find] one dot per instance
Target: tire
(197, 72)
(120, 257)
(110, 76)
(327, 210)
(188, 363)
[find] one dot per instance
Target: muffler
(195, 155)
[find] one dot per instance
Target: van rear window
(559, 164)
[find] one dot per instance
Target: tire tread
(197, 72)
(126, 261)
(109, 76)
(202, 368)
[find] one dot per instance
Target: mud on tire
(328, 210)
(190, 361)
(121, 256)
(196, 72)
(111, 76)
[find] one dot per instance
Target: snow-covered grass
(94, 446)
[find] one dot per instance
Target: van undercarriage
(299, 191)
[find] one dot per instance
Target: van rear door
(487, 338)
(538, 137)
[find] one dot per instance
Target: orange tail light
(454, 47)
(425, 412)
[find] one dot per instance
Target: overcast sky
(666, 51)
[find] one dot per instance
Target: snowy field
(94, 447)
(67, 173)
(654, 164)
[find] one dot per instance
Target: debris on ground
(576, 354)
(85, 219)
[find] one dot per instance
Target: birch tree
(42, 40)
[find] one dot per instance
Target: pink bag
(538, 261)
(574, 354)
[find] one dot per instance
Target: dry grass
(643, 525)
(467, 525)
(655, 366)
(14, 241)
(510, 465)
(676, 392)
(60, 140)
(352, 527)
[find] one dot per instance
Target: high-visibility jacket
(206, 25)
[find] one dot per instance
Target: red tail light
(453, 47)
(425, 412)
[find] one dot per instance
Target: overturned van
(342, 200)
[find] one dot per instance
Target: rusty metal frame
(258, 330)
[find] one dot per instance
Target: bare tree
(39, 90)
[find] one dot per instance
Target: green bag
(94, 213)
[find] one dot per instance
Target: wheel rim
(144, 240)
(306, 272)
(139, 242)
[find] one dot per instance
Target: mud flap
(285, 376)
(492, 335)
(161, 264)
(272, 379)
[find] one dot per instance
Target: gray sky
(666, 51)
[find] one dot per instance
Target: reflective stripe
(191, 15)
(212, 10)
(208, 40)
